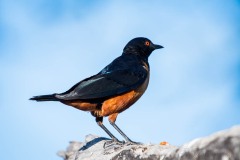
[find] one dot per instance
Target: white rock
(223, 145)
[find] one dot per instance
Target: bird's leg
(112, 119)
(128, 140)
(114, 139)
(99, 122)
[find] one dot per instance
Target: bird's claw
(132, 143)
(113, 142)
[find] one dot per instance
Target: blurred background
(48, 46)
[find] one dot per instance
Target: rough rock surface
(223, 145)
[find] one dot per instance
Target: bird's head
(140, 46)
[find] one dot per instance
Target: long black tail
(50, 97)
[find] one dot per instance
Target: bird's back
(125, 73)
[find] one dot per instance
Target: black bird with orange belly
(114, 89)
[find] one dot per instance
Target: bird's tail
(50, 97)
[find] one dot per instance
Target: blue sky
(48, 46)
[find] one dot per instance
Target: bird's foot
(113, 142)
(132, 143)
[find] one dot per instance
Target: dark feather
(50, 97)
(122, 75)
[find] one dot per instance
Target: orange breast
(122, 102)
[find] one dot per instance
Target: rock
(224, 145)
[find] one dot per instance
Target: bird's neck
(140, 55)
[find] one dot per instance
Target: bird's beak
(156, 46)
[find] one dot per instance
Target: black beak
(156, 46)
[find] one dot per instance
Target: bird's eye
(147, 43)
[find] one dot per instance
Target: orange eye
(147, 43)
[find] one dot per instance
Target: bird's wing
(106, 85)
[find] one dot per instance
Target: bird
(114, 89)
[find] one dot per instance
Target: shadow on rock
(92, 143)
